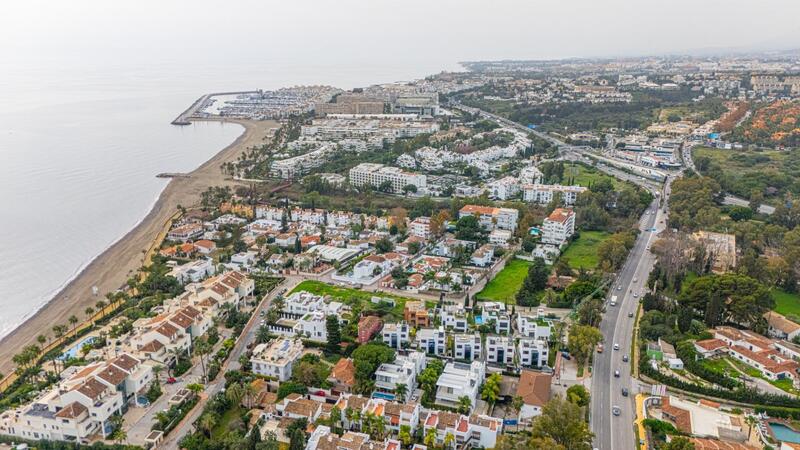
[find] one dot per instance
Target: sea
(81, 144)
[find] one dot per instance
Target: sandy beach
(114, 266)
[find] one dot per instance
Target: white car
(616, 346)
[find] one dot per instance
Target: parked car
(171, 380)
(616, 346)
(616, 374)
(624, 392)
(630, 314)
(625, 358)
(616, 411)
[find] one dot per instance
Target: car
(635, 295)
(648, 247)
(635, 280)
(616, 346)
(619, 288)
(624, 392)
(625, 358)
(630, 314)
(615, 410)
(171, 380)
(599, 348)
(616, 374)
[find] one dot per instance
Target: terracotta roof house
(343, 375)
(367, 327)
(534, 388)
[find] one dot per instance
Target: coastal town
(577, 254)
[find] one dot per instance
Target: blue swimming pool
(383, 395)
(478, 320)
(72, 352)
(784, 433)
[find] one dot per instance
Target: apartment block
(276, 358)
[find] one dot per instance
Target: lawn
(586, 176)
(226, 421)
(349, 296)
(786, 303)
(582, 253)
(504, 286)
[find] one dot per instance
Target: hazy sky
(118, 32)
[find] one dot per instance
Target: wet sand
(114, 266)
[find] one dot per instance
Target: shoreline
(113, 266)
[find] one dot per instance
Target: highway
(616, 432)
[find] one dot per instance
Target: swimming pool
(784, 433)
(73, 351)
(383, 395)
(478, 320)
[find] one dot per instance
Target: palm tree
(517, 402)
(157, 369)
(250, 394)
(234, 393)
(400, 391)
(207, 422)
(201, 349)
(58, 331)
(196, 388)
(89, 311)
(41, 339)
(430, 437)
(405, 435)
(751, 421)
(73, 320)
(348, 414)
(119, 435)
(101, 306)
(449, 440)
(464, 404)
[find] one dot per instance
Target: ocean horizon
(81, 148)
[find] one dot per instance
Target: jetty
(172, 175)
(183, 118)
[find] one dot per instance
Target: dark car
(624, 392)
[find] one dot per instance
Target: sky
(102, 32)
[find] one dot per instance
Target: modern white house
(276, 358)
(500, 350)
(532, 352)
(459, 380)
(395, 334)
(496, 312)
(533, 326)
(454, 317)
(432, 341)
(467, 346)
(403, 370)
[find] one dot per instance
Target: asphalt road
(616, 432)
(248, 336)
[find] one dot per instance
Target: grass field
(586, 176)
(350, 296)
(786, 303)
(582, 254)
(505, 285)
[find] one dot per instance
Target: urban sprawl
(570, 254)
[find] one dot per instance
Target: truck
(613, 300)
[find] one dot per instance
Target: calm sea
(80, 147)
